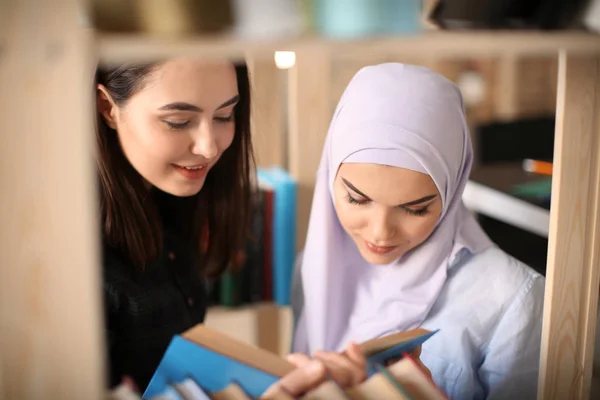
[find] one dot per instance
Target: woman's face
(387, 211)
(178, 125)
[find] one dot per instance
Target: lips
(192, 172)
(379, 249)
(194, 168)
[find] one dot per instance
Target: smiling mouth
(192, 172)
(379, 249)
(193, 168)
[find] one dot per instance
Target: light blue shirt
(490, 318)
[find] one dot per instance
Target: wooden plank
(127, 48)
(309, 115)
(507, 96)
(536, 83)
(50, 330)
(267, 111)
(574, 242)
(484, 111)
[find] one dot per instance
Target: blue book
(214, 360)
(211, 370)
(396, 351)
(284, 230)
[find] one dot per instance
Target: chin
(379, 259)
(179, 190)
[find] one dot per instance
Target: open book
(216, 362)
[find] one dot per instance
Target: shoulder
(494, 304)
(484, 289)
(498, 276)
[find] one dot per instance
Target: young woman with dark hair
(174, 158)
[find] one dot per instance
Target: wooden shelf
(265, 325)
(506, 208)
(139, 48)
(488, 193)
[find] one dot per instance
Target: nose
(382, 227)
(204, 141)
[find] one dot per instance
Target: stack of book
(263, 272)
(206, 364)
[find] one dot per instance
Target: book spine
(267, 273)
(252, 287)
(284, 235)
(231, 282)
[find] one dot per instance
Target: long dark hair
(215, 219)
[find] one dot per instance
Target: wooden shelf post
(573, 273)
(309, 115)
(267, 111)
(50, 325)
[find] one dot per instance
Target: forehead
(204, 84)
(386, 184)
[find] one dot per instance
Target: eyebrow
(181, 106)
(408, 204)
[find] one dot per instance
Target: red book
(269, 196)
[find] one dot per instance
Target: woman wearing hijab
(391, 246)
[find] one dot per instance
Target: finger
(341, 368)
(416, 353)
(298, 359)
(356, 356)
(392, 361)
(298, 381)
(128, 381)
(424, 368)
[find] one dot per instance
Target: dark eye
(224, 120)
(352, 200)
(176, 125)
(419, 212)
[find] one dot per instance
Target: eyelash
(224, 120)
(183, 125)
(352, 200)
(419, 213)
(176, 125)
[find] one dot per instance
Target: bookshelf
(49, 276)
(506, 208)
(488, 193)
(124, 48)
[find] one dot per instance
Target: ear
(106, 106)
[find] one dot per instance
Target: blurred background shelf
(488, 192)
(141, 47)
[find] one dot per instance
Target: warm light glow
(285, 59)
(472, 86)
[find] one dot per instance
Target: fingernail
(269, 392)
(314, 367)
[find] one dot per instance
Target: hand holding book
(415, 355)
(346, 369)
(215, 361)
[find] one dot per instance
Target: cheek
(149, 139)
(418, 229)
(225, 137)
(350, 218)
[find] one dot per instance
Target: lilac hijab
(403, 116)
